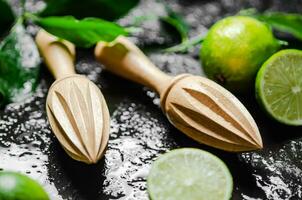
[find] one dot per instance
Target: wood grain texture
(121, 58)
(58, 55)
(197, 106)
(211, 115)
(76, 109)
(79, 117)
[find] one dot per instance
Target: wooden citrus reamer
(197, 106)
(76, 109)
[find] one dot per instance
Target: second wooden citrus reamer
(197, 106)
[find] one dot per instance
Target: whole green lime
(234, 49)
(15, 186)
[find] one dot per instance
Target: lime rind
(14, 185)
(234, 49)
(260, 85)
(198, 154)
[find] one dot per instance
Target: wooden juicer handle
(128, 61)
(59, 56)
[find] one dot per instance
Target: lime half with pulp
(279, 86)
(189, 174)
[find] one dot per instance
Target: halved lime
(279, 86)
(189, 174)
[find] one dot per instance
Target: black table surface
(139, 131)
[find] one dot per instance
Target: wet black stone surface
(139, 130)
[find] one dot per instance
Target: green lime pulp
(15, 186)
(234, 49)
(190, 174)
(279, 86)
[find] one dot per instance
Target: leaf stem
(30, 16)
(283, 43)
(133, 30)
(186, 45)
(23, 9)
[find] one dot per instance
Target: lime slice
(279, 86)
(189, 174)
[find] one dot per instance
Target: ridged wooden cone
(197, 106)
(76, 109)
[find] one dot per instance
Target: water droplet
(296, 89)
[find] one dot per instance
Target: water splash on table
(137, 137)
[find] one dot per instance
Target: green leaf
(19, 65)
(106, 9)
(83, 33)
(170, 20)
(6, 17)
(177, 21)
(285, 22)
